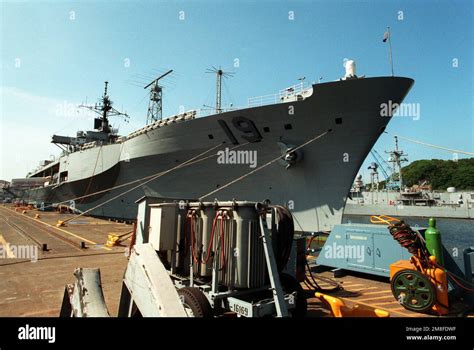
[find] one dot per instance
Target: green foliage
(441, 174)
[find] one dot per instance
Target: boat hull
(315, 188)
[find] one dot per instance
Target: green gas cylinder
(433, 241)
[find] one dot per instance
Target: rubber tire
(290, 285)
(196, 300)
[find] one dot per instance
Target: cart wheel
(195, 302)
(290, 285)
(413, 290)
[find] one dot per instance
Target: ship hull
(315, 188)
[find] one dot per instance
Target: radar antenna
(155, 107)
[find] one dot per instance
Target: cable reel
(413, 290)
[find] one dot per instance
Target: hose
(405, 236)
(458, 280)
(311, 283)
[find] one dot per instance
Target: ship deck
(37, 288)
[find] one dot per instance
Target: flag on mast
(386, 36)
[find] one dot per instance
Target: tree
(441, 174)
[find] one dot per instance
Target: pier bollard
(112, 240)
(83, 245)
(60, 223)
(44, 248)
(37, 216)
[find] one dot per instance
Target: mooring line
(264, 165)
(191, 161)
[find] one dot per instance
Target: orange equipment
(421, 283)
(340, 309)
(420, 287)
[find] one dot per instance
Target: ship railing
(89, 145)
(203, 112)
(160, 123)
(292, 93)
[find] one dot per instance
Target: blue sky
(55, 54)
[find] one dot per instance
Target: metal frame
(282, 310)
(147, 284)
(149, 288)
(84, 298)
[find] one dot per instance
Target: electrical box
(143, 218)
(162, 230)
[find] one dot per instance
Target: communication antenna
(219, 74)
(155, 106)
(105, 110)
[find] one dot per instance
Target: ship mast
(219, 90)
(106, 106)
(155, 106)
(104, 134)
(219, 75)
(105, 110)
(397, 157)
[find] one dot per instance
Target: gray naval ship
(313, 181)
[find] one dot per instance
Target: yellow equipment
(114, 239)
